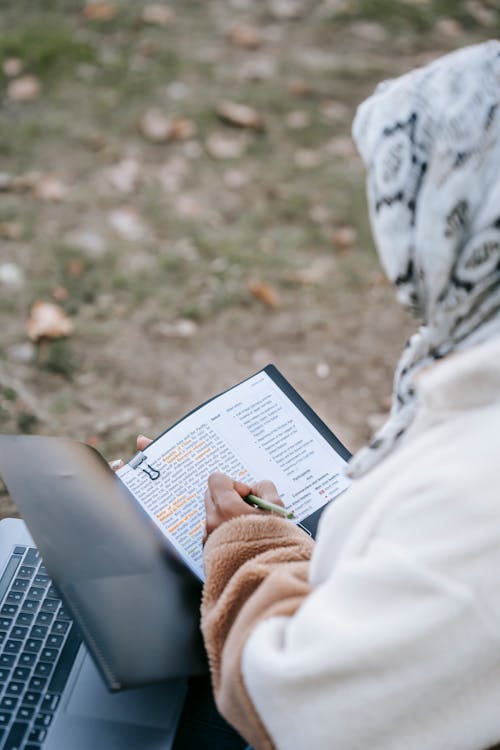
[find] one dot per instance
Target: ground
(189, 243)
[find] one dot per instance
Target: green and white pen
(266, 505)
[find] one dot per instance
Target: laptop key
(65, 662)
(33, 644)
(44, 618)
(26, 659)
(4, 673)
(14, 597)
(21, 673)
(49, 703)
(9, 609)
(49, 654)
(32, 557)
(30, 605)
(9, 703)
(19, 550)
(31, 698)
(15, 688)
(19, 631)
(36, 592)
(37, 683)
(25, 571)
(24, 618)
(7, 660)
(54, 641)
(15, 736)
(38, 631)
(37, 735)
(25, 713)
(3, 636)
(5, 622)
(43, 720)
(41, 580)
(20, 584)
(43, 669)
(12, 646)
(5, 717)
(50, 605)
(60, 626)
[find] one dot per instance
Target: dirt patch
(188, 250)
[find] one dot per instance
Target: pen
(265, 505)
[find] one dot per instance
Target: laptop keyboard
(38, 646)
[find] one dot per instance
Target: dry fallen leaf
(158, 15)
(48, 320)
(449, 28)
(50, 188)
(223, 146)
(100, 10)
(316, 272)
(11, 230)
(125, 175)
(298, 119)
(87, 241)
(155, 126)
(299, 87)
(24, 89)
(240, 115)
(183, 328)
(12, 66)
(307, 158)
(127, 224)
(481, 14)
(11, 275)
(246, 36)
(284, 10)
(60, 293)
(344, 237)
(341, 146)
(264, 292)
(75, 267)
(158, 128)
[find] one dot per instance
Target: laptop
(88, 619)
(51, 693)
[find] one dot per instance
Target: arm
(256, 567)
(390, 650)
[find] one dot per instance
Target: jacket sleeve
(392, 648)
(255, 568)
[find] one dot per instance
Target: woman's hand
(224, 499)
(224, 496)
(141, 443)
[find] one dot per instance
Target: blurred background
(181, 204)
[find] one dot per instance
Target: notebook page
(251, 432)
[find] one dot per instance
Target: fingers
(219, 484)
(267, 491)
(224, 500)
(116, 464)
(142, 442)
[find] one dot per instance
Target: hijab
(430, 141)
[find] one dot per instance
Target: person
(385, 632)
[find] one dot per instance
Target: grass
(45, 46)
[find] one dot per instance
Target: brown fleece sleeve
(256, 567)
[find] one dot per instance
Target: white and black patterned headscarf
(431, 144)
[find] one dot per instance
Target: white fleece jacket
(393, 642)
